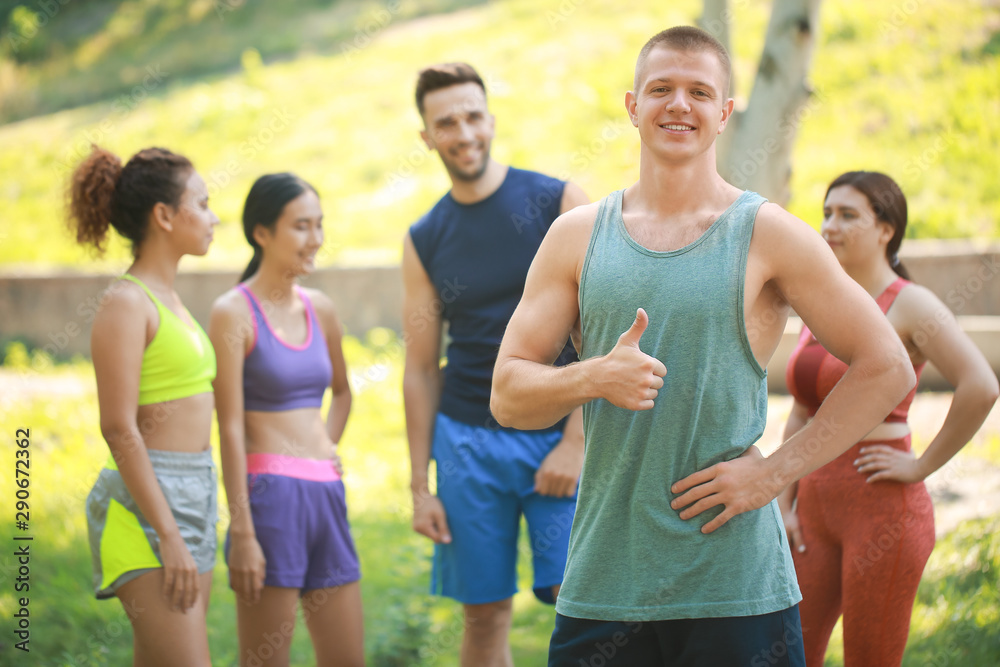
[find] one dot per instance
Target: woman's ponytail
(92, 197)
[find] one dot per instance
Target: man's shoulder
(572, 229)
(428, 223)
(530, 175)
(786, 243)
(535, 182)
(776, 225)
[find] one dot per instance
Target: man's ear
(727, 113)
(630, 103)
(428, 141)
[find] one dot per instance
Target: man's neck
(471, 192)
(666, 189)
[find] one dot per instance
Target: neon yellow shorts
(123, 544)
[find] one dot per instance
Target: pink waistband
(312, 470)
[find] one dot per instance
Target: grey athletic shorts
(123, 544)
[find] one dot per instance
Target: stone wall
(55, 311)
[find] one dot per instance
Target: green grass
(915, 95)
(83, 52)
(404, 625)
(956, 617)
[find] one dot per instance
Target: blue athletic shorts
(767, 640)
(486, 481)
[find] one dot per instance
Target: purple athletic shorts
(300, 517)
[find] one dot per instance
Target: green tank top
(631, 557)
(178, 362)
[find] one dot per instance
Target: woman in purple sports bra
(278, 348)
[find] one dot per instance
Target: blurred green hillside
(325, 90)
(59, 54)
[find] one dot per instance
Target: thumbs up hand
(628, 377)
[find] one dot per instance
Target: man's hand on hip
(739, 485)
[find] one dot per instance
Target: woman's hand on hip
(884, 463)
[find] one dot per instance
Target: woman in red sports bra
(861, 528)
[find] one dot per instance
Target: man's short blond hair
(685, 38)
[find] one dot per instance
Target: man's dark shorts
(768, 640)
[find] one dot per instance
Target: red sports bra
(812, 372)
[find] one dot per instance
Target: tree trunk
(755, 150)
(715, 18)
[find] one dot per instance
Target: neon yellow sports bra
(178, 362)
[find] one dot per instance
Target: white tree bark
(755, 151)
(715, 18)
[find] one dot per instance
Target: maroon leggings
(866, 547)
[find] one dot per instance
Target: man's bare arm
(846, 320)
(421, 388)
(560, 469)
(528, 392)
(850, 325)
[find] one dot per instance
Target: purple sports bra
(278, 376)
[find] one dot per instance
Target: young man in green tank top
(676, 291)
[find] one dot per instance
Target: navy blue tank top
(477, 256)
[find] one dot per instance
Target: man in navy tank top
(679, 287)
(465, 263)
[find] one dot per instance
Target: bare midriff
(182, 425)
(888, 431)
(300, 432)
